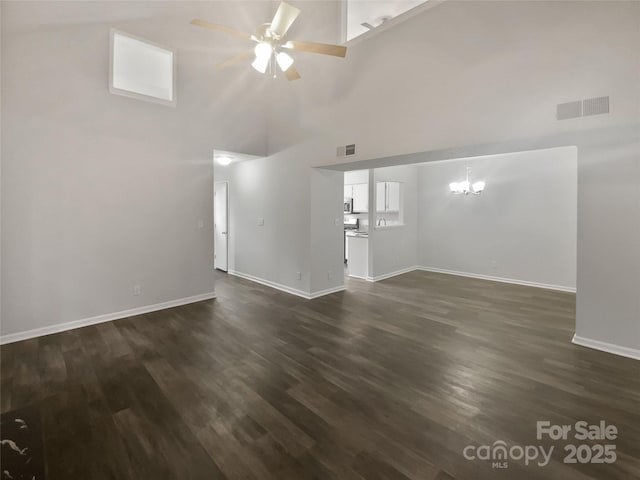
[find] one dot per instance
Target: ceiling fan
(270, 43)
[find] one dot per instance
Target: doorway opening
(356, 223)
(437, 215)
(221, 225)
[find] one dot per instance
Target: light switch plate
(261, 222)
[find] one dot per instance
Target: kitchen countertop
(358, 234)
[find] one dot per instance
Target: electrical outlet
(137, 290)
(299, 275)
(329, 274)
(200, 223)
(337, 222)
(261, 222)
(494, 265)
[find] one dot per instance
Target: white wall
(327, 228)
(101, 192)
(465, 73)
(277, 190)
(394, 249)
(449, 82)
(608, 306)
(478, 78)
(522, 227)
(302, 212)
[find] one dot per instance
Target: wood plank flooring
(388, 380)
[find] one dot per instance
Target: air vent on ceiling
(595, 106)
(582, 108)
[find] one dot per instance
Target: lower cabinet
(358, 254)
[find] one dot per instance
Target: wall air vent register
(582, 108)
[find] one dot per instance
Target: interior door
(221, 225)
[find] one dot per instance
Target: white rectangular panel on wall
(141, 69)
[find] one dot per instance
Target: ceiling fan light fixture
(284, 61)
(261, 64)
(263, 50)
(270, 39)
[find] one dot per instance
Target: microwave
(348, 205)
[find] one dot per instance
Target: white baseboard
(285, 288)
(384, 276)
(328, 291)
(606, 347)
(107, 317)
(360, 277)
(527, 283)
(269, 283)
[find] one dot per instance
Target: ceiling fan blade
(221, 28)
(234, 59)
(283, 19)
(291, 73)
(323, 48)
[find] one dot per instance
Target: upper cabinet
(360, 194)
(361, 197)
(387, 196)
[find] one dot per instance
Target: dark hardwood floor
(385, 381)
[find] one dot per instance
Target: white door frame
(215, 244)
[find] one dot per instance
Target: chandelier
(466, 187)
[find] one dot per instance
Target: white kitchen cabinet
(358, 265)
(393, 196)
(381, 196)
(361, 197)
(388, 197)
(360, 194)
